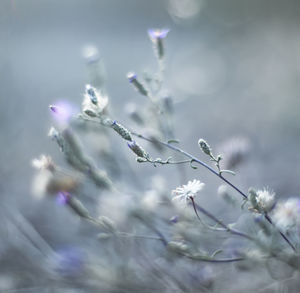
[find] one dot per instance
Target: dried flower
(43, 163)
(93, 103)
(287, 214)
(265, 200)
(188, 191)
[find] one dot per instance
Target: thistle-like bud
(204, 146)
(121, 130)
(132, 77)
(138, 150)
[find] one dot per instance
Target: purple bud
(62, 111)
(155, 34)
(174, 219)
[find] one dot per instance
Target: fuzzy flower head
(265, 200)
(93, 103)
(186, 192)
(287, 214)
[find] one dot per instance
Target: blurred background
(232, 68)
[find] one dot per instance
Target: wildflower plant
(155, 216)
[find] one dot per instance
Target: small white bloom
(188, 191)
(287, 214)
(93, 103)
(43, 163)
(265, 200)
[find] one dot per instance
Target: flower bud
(132, 77)
(138, 150)
(121, 130)
(204, 146)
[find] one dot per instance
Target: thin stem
(267, 217)
(226, 227)
(194, 159)
(212, 260)
(124, 234)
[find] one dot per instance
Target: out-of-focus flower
(40, 183)
(184, 10)
(185, 192)
(155, 34)
(62, 198)
(90, 54)
(68, 262)
(234, 151)
(151, 200)
(265, 200)
(287, 214)
(43, 163)
(93, 103)
(62, 111)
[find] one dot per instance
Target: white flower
(287, 214)
(265, 200)
(188, 191)
(93, 103)
(43, 163)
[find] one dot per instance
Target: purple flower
(69, 261)
(155, 34)
(62, 198)
(62, 111)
